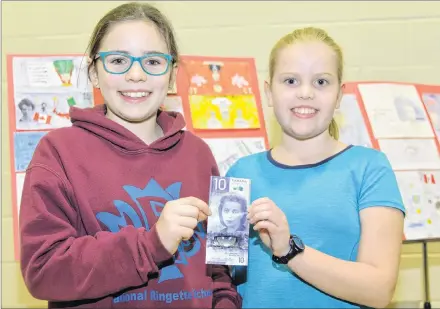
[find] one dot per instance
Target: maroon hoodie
(91, 197)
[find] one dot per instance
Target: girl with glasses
(113, 208)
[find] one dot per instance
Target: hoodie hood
(93, 120)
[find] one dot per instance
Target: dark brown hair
(133, 11)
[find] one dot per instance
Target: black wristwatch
(296, 246)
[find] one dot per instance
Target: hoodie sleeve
(225, 294)
(59, 263)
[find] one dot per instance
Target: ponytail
(333, 129)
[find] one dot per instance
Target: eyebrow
(294, 73)
(145, 52)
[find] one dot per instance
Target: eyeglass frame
(102, 55)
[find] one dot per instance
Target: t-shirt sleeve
(379, 185)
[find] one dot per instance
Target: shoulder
(365, 159)
(196, 143)
(364, 153)
(379, 186)
(51, 145)
(248, 163)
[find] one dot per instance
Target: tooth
(135, 94)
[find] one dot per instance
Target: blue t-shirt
(322, 202)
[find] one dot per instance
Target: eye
(321, 82)
(153, 62)
(116, 59)
(290, 81)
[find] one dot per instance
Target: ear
(268, 93)
(93, 74)
(340, 95)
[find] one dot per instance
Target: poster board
(41, 89)
(222, 105)
(403, 121)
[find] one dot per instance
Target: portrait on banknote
(228, 227)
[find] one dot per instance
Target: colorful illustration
(38, 111)
(226, 112)
(64, 68)
(421, 196)
(432, 104)
(48, 74)
(411, 154)
(24, 147)
(352, 128)
(218, 77)
(395, 111)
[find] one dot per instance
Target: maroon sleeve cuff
(159, 253)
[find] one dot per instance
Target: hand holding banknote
(271, 224)
(178, 221)
(228, 228)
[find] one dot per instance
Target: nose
(305, 92)
(136, 73)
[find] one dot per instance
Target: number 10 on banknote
(228, 227)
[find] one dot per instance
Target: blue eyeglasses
(155, 64)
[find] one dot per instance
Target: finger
(186, 210)
(201, 217)
(259, 208)
(262, 215)
(188, 222)
(201, 205)
(262, 200)
(186, 233)
(265, 224)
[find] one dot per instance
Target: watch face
(298, 242)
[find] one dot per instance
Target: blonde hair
(303, 35)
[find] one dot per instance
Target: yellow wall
(397, 41)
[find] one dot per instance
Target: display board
(403, 121)
(218, 97)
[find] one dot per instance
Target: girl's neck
(302, 152)
(148, 131)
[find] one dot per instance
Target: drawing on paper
(228, 150)
(36, 111)
(24, 147)
(432, 104)
(395, 111)
(352, 128)
(218, 77)
(421, 196)
(407, 110)
(411, 154)
(48, 74)
(64, 69)
(225, 112)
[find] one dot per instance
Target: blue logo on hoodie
(153, 189)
